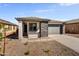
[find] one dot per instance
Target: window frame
(32, 28)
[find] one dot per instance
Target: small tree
(1, 32)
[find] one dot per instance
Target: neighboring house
(33, 27)
(11, 28)
(72, 26)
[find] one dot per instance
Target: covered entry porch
(31, 27)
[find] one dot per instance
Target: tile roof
(39, 19)
(6, 22)
(31, 18)
(55, 22)
(72, 21)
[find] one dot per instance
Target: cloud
(67, 4)
(3, 5)
(43, 10)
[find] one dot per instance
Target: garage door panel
(53, 30)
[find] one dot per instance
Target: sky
(54, 11)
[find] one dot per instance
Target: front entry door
(25, 30)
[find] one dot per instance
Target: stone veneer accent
(44, 29)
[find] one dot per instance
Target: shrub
(0, 49)
(26, 43)
(26, 53)
(46, 50)
(1, 37)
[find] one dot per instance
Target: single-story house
(72, 26)
(10, 27)
(33, 27)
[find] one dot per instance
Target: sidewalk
(68, 41)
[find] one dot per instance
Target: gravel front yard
(45, 48)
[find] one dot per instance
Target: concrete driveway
(69, 41)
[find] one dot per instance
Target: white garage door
(53, 30)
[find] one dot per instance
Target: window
(13, 27)
(32, 26)
(9, 27)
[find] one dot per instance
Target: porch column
(37, 25)
(28, 29)
(20, 33)
(63, 29)
(38, 29)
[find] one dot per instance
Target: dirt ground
(41, 48)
